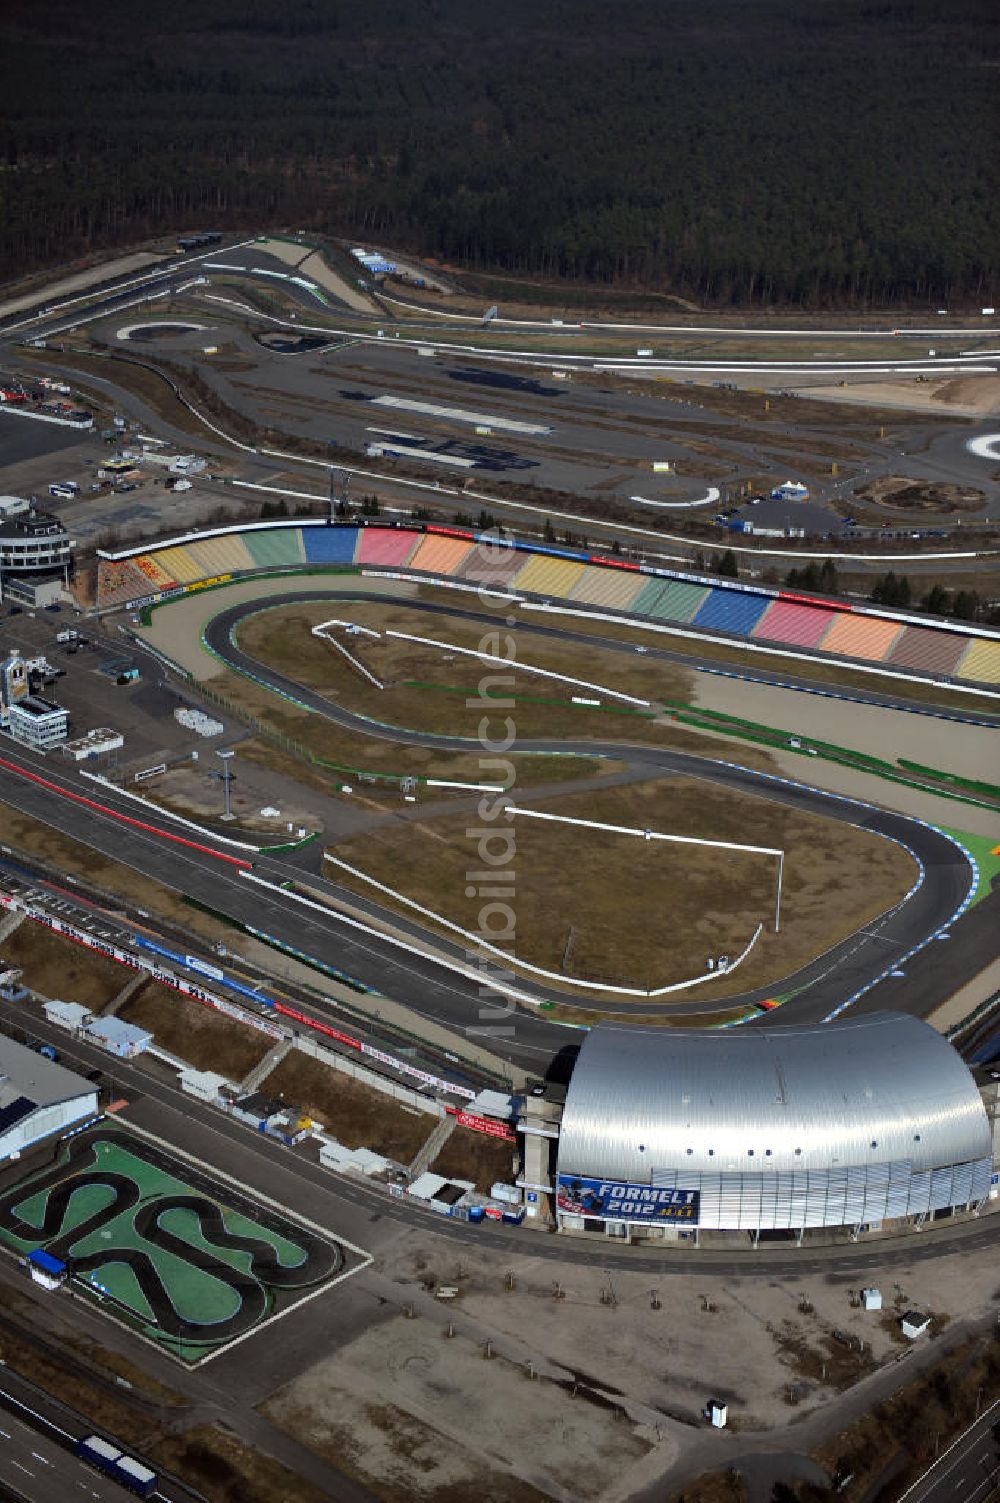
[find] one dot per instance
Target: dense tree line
(804, 152)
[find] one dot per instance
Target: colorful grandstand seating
(982, 662)
(222, 555)
(856, 636)
(679, 601)
(120, 581)
(615, 588)
(180, 564)
(329, 545)
(729, 610)
(647, 597)
(927, 649)
(491, 565)
(153, 569)
(544, 575)
(274, 547)
(390, 547)
(796, 625)
(440, 555)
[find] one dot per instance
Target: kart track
(198, 1275)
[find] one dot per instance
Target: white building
(38, 1098)
(38, 723)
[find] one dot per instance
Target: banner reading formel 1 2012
(617, 1201)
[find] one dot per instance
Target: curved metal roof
(873, 1089)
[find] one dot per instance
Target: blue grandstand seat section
(329, 545)
(729, 610)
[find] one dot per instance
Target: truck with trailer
(110, 1459)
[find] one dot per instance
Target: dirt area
(207, 1039)
(61, 969)
(318, 268)
(417, 1417)
(645, 913)
(356, 1114)
(717, 1487)
(104, 271)
(473, 1155)
(972, 751)
(187, 790)
(669, 1343)
(966, 396)
(919, 496)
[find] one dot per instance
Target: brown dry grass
(207, 1039)
(645, 913)
(281, 638)
(230, 1472)
(356, 1114)
(352, 753)
(473, 1155)
(714, 1487)
(59, 968)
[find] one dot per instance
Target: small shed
(125, 1040)
(717, 1414)
(914, 1324)
(46, 1270)
(206, 1085)
(68, 1015)
(871, 1299)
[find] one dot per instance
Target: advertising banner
(615, 1200)
(489, 1126)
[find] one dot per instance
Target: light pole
(226, 777)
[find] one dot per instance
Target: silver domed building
(848, 1124)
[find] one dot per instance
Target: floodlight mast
(227, 779)
(777, 893)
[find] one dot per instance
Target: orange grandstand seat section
(854, 636)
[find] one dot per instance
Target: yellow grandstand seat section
(548, 576)
(982, 662)
(179, 564)
(155, 571)
(437, 555)
(860, 636)
(615, 588)
(225, 555)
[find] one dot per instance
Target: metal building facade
(774, 1128)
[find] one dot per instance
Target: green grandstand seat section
(679, 601)
(647, 597)
(275, 547)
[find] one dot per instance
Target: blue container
(475, 1213)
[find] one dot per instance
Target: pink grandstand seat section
(798, 625)
(386, 546)
(866, 637)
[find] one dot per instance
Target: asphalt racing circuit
(444, 988)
